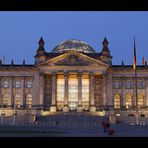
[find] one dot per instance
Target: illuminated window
(60, 92)
(85, 92)
(17, 84)
(128, 85)
(5, 83)
(29, 84)
(140, 101)
(17, 100)
(29, 101)
(117, 101)
(73, 91)
(128, 101)
(117, 85)
(5, 100)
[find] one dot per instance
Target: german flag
(143, 61)
(134, 62)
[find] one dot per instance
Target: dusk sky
(20, 32)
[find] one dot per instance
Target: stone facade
(72, 77)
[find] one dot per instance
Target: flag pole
(14, 115)
(137, 113)
(136, 92)
(2, 113)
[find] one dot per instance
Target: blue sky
(20, 32)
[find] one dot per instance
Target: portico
(73, 91)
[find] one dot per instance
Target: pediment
(73, 59)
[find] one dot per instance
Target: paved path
(122, 130)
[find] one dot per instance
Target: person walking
(104, 126)
(107, 125)
(57, 123)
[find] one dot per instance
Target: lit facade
(72, 77)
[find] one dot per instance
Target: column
(53, 99)
(104, 91)
(80, 109)
(66, 109)
(110, 92)
(41, 89)
(92, 99)
(23, 92)
(36, 92)
(134, 93)
(11, 91)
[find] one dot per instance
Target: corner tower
(105, 53)
(41, 54)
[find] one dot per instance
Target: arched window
(17, 101)
(5, 100)
(140, 100)
(29, 101)
(117, 101)
(128, 101)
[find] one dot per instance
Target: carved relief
(73, 60)
(98, 91)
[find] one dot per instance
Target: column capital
(53, 74)
(104, 74)
(11, 77)
(66, 74)
(80, 74)
(23, 77)
(41, 74)
(92, 74)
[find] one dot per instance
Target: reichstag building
(72, 77)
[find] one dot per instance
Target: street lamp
(14, 114)
(2, 113)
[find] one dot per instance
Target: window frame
(5, 86)
(114, 85)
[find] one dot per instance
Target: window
(140, 101)
(60, 92)
(29, 84)
(85, 91)
(73, 91)
(140, 84)
(117, 101)
(117, 85)
(128, 85)
(5, 100)
(17, 84)
(17, 101)
(5, 83)
(29, 101)
(128, 101)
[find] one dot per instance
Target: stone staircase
(71, 120)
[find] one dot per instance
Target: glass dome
(73, 45)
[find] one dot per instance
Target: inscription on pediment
(73, 60)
